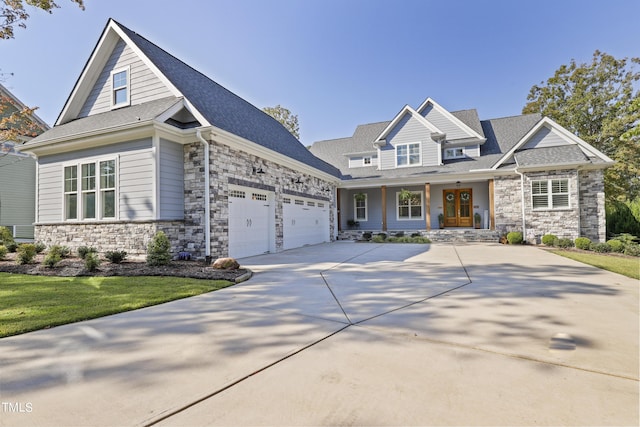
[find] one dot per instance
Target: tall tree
(284, 116)
(598, 103)
(13, 13)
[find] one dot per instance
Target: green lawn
(628, 266)
(29, 303)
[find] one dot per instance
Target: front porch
(444, 235)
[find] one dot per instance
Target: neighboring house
(17, 175)
(523, 173)
(146, 143)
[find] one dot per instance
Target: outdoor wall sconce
(258, 170)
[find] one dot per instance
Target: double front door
(458, 207)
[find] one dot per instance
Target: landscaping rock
(225, 264)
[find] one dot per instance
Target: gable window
(454, 153)
(408, 154)
(409, 208)
(360, 206)
(550, 194)
(120, 87)
(91, 194)
(71, 192)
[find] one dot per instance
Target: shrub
(366, 236)
(564, 243)
(514, 237)
(632, 249)
(600, 247)
(620, 219)
(91, 261)
(83, 251)
(549, 239)
(62, 251)
(40, 247)
(616, 246)
(400, 234)
(583, 243)
(158, 250)
(12, 246)
(416, 235)
(26, 253)
(3, 251)
(378, 238)
(6, 236)
(52, 259)
(420, 239)
(115, 257)
(383, 236)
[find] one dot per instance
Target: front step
(442, 235)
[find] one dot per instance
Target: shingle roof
(563, 154)
(504, 133)
(226, 110)
(469, 118)
(111, 119)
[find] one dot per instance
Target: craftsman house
(429, 168)
(18, 171)
(146, 143)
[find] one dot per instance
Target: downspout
(524, 223)
(207, 203)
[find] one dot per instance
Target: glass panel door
(450, 210)
(458, 208)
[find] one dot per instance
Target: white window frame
(65, 193)
(366, 208)
(408, 145)
(454, 153)
(410, 218)
(97, 190)
(549, 194)
(127, 87)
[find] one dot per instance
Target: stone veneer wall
(592, 213)
(507, 203)
(227, 166)
(131, 237)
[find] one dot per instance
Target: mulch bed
(71, 267)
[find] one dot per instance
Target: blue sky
(335, 63)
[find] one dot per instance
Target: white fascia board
(472, 133)
(473, 176)
(93, 138)
(242, 144)
(360, 153)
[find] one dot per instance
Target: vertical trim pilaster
(427, 198)
(492, 215)
(383, 189)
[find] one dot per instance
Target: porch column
(492, 216)
(384, 207)
(338, 208)
(427, 198)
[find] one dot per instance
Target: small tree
(284, 116)
(158, 251)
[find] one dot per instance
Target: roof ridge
(512, 117)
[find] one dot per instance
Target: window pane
(560, 186)
(71, 206)
(120, 96)
(403, 211)
(89, 205)
(120, 79)
(540, 202)
(88, 176)
(70, 178)
(560, 200)
(109, 204)
(416, 211)
(539, 187)
(107, 174)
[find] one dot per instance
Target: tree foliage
(598, 102)
(16, 122)
(13, 13)
(284, 116)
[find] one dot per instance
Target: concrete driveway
(350, 334)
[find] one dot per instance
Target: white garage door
(249, 222)
(306, 222)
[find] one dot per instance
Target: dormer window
(120, 87)
(453, 153)
(408, 155)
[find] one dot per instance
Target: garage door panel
(249, 222)
(306, 222)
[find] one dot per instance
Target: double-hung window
(71, 192)
(120, 88)
(550, 193)
(92, 193)
(409, 208)
(360, 207)
(408, 154)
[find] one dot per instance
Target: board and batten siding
(444, 123)
(134, 179)
(545, 137)
(409, 130)
(171, 180)
(17, 199)
(145, 85)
